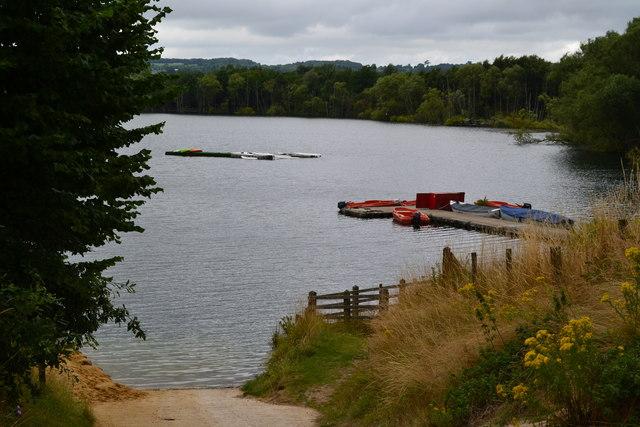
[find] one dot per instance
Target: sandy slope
(199, 407)
(118, 405)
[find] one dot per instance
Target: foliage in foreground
(71, 74)
(53, 406)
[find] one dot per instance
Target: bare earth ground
(116, 405)
(199, 407)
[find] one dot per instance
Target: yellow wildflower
(500, 391)
(566, 346)
(628, 287)
(526, 297)
(543, 334)
(467, 288)
(520, 392)
(533, 359)
(540, 360)
(542, 349)
(632, 252)
(605, 297)
(621, 348)
(531, 341)
(619, 304)
(540, 279)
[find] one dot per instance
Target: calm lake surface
(231, 246)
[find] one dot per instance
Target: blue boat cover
(523, 214)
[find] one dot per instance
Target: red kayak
(498, 203)
(404, 216)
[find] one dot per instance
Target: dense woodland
(592, 96)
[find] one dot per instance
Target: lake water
(231, 246)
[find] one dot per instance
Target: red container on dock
(437, 200)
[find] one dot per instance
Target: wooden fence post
(355, 301)
(347, 307)
(474, 267)
(509, 260)
(622, 226)
(42, 374)
(311, 301)
(401, 285)
(446, 261)
(383, 298)
(556, 262)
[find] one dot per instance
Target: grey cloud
(272, 31)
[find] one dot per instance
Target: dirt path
(117, 405)
(199, 407)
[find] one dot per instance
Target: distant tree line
(592, 97)
(468, 92)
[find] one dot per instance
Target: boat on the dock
(467, 208)
(376, 203)
(369, 204)
(496, 203)
(409, 216)
(522, 214)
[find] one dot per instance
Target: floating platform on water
(215, 154)
(247, 155)
(447, 218)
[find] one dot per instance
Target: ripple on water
(232, 246)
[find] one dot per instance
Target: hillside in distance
(202, 65)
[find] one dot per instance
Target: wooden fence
(354, 304)
(362, 304)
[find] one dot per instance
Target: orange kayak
(372, 203)
(376, 203)
(404, 216)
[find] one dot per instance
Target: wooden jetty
(447, 218)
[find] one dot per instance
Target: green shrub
(456, 121)
(474, 389)
(245, 111)
(402, 119)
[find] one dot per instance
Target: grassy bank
(53, 406)
(307, 355)
(538, 341)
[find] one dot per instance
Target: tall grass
(53, 406)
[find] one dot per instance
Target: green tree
(71, 74)
(433, 109)
(209, 87)
(599, 104)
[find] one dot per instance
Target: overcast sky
(386, 31)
